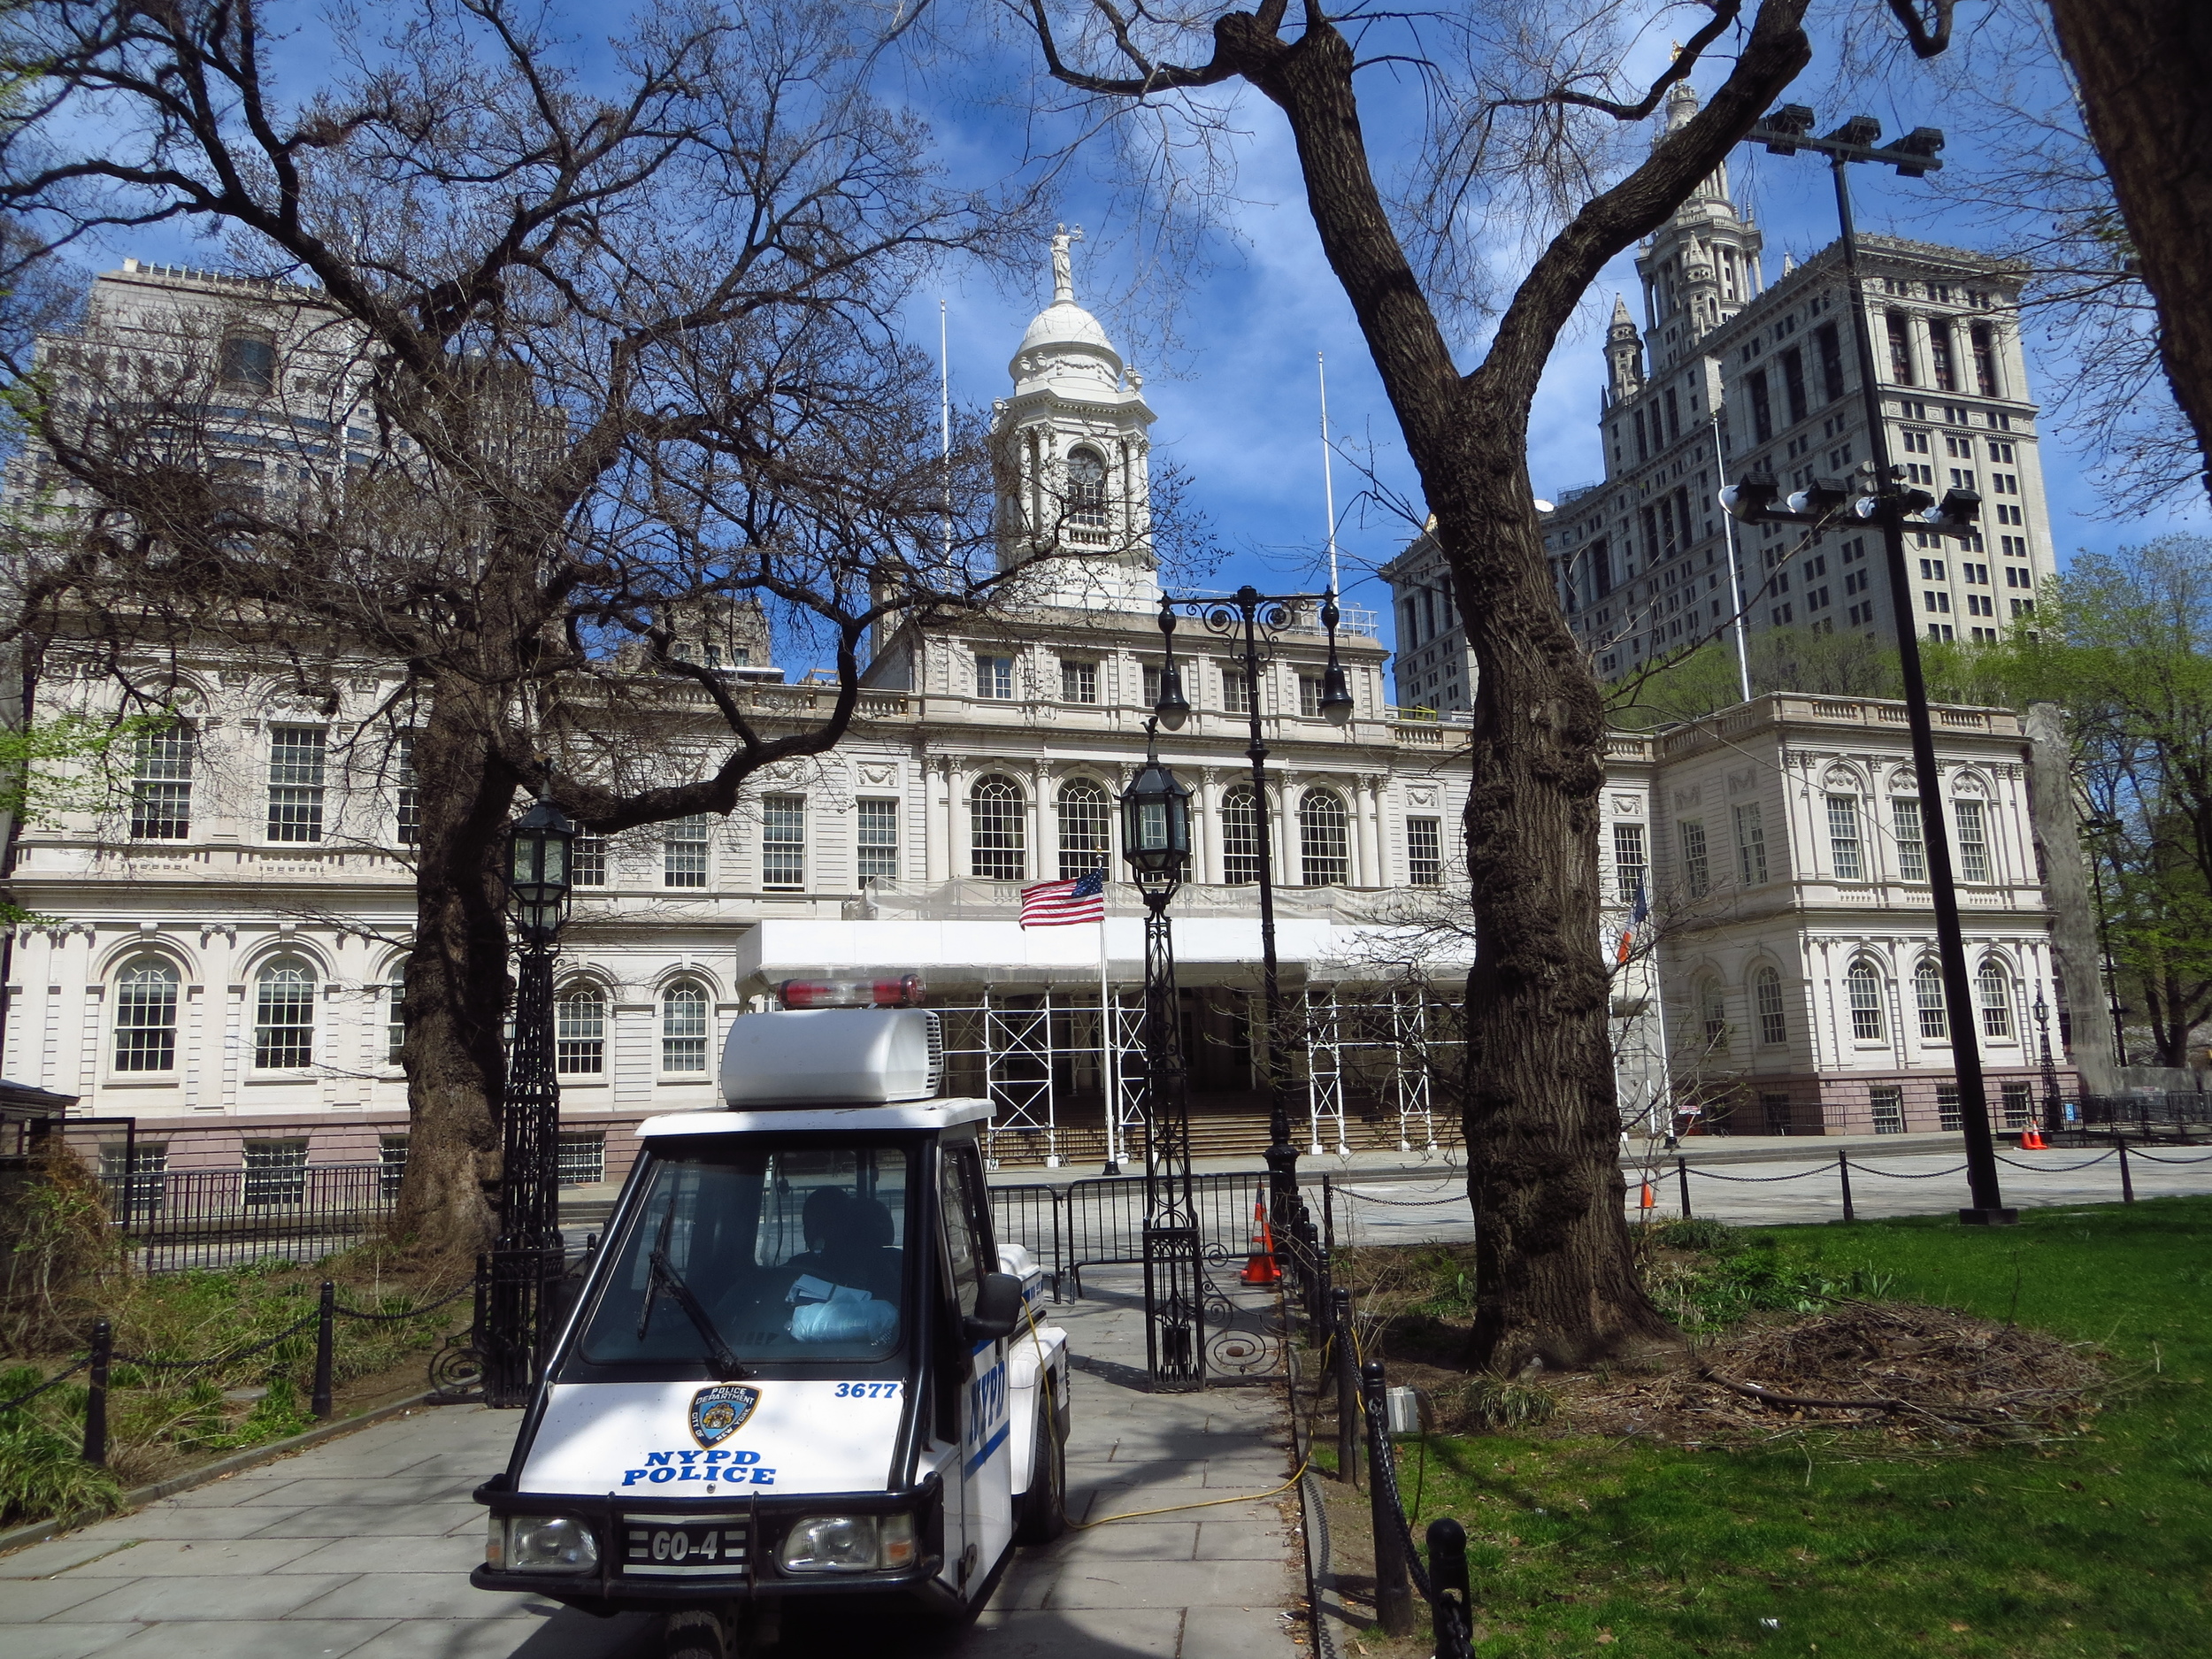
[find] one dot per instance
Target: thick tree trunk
(456, 985)
(2144, 68)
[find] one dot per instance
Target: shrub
(43, 1474)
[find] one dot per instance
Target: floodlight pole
(1784, 133)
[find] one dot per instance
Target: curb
(138, 1497)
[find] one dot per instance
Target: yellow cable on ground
(1208, 1503)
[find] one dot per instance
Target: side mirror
(998, 1308)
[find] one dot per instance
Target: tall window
(588, 861)
(1912, 847)
(249, 362)
(1323, 842)
(1628, 861)
(1973, 840)
(1085, 816)
(295, 783)
(276, 1173)
(161, 785)
(284, 1016)
(391, 1158)
(406, 803)
(1843, 837)
(1864, 984)
(1712, 1004)
(1078, 680)
(1751, 845)
(877, 852)
(1888, 1102)
(1149, 677)
(684, 1028)
(1831, 348)
(1762, 406)
(1927, 990)
(580, 1032)
(1774, 1019)
(1984, 345)
(1948, 1117)
(1424, 851)
(684, 852)
(1939, 359)
(783, 841)
(1697, 872)
(1240, 837)
(998, 835)
(1900, 348)
(146, 1017)
(2019, 1103)
(1086, 488)
(1794, 383)
(1309, 695)
(1236, 691)
(994, 678)
(1993, 988)
(396, 1017)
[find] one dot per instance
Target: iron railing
(177, 1219)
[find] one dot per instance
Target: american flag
(1060, 903)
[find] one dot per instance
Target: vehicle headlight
(849, 1543)
(541, 1543)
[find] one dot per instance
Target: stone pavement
(362, 1547)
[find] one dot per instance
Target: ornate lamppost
(1247, 615)
(2052, 1105)
(526, 1260)
(1155, 841)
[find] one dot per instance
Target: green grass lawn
(2104, 1547)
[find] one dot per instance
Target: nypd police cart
(800, 1363)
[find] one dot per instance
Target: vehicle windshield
(789, 1252)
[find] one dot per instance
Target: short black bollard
(1450, 1598)
(1843, 1174)
(1393, 1587)
(2127, 1179)
(1682, 1174)
(96, 1405)
(325, 1332)
(1348, 1406)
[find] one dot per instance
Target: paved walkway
(362, 1547)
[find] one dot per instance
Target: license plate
(662, 1546)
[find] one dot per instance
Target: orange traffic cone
(1649, 1202)
(2032, 1139)
(1260, 1269)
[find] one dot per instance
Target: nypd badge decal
(719, 1412)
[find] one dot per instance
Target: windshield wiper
(726, 1368)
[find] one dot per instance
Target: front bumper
(609, 1588)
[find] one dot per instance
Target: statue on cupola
(1075, 473)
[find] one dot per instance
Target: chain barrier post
(325, 1333)
(2127, 1178)
(1451, 1602)
(1843, 1174)
(96, 1405)
(1393, 1587)
(1349, 1408)
(1682, 1174)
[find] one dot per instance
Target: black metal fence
(1100, 1223)
(178, 1219)
(2153, 1115)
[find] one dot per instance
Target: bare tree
(1523, 161)
(525, 366)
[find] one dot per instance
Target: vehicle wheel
(1044, 1514)
(696, 1633)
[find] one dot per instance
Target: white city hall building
(226, 933)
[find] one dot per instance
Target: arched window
(1993, 986)
(1927, 989)
(1086, 828)
(997, 831)
(1713, 1013)
(1325, 851)
(284, 1016)
(580, 1032)
(1774, 1020)
(684, 1027)
(146, 1016)
(1240, 837)
(1086, 488)
(1865, 985)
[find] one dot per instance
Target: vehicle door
(978, 1370)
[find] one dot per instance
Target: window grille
(2019, 1103)
(161, 785)
(1086, 488)
(684, 852)
(684, 1028)
(580, 1159)
(284, 1016)
(1844, 844)
(1324, 842)
(878, 849)
(295, 783)
(146, 1017)
(1774, 1023)
(1240, 837)
(998, 830)
(391, 1157)
(1086, 828)
(1424, 851)
(783, 841)
(1927, 989)
(144, 1166)
(276, 1174)
(1948, 1113)
(579, 1033)
(1888, 1102)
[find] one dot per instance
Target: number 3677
(867, 1390)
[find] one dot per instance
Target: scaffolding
(1384, 1047)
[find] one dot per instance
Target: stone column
(1367, 811)
(1206, 857)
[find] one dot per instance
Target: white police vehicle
(800, 1362)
